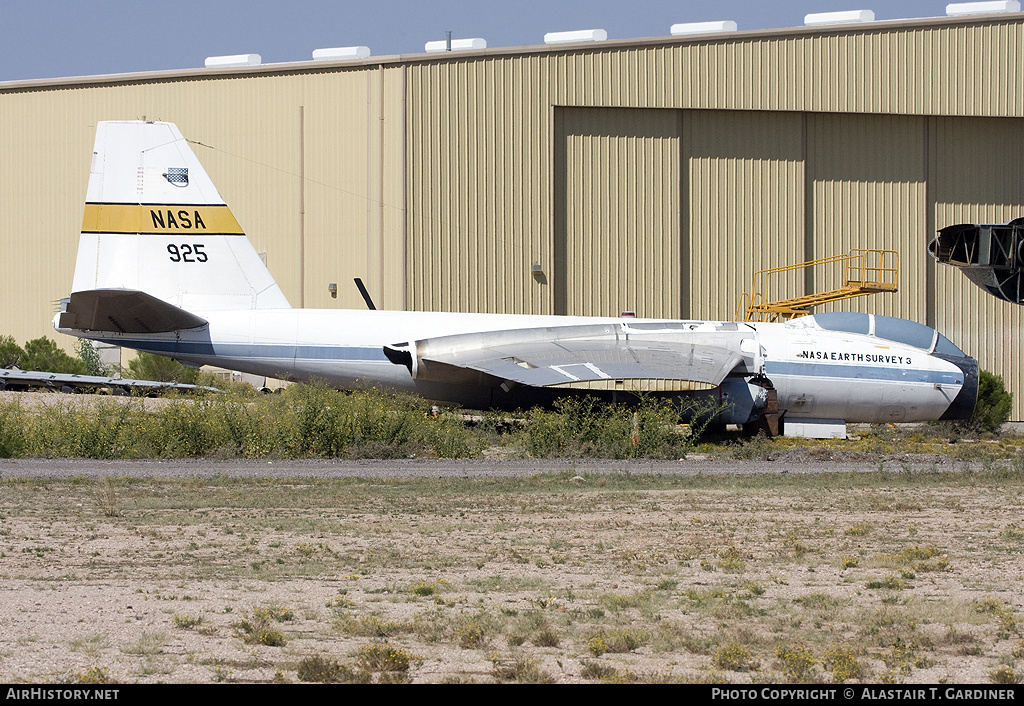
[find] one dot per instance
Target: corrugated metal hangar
(653, 175)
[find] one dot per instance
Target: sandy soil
(688, 571)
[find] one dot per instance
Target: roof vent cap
(959, 9)
(579, 35)
(337, 53)
(457, 44)
(703, 27)
(221, 62)
(844, 17)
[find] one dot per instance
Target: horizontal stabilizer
(564, 355)
(124, 311)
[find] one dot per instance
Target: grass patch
(383, 657)
(323, 670)
(798, 663)
(257, 627)
(844, 664)
(92, 675)
(617, 641)
(735, 657)
(520, 669)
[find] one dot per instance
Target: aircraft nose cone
(962, 406)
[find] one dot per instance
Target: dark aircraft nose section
(962, 406)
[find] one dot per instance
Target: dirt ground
(593, 573)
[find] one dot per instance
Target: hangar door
(745, 205)
(616, 205)
(977, 176)
(867, 184)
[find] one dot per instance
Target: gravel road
(791, 461)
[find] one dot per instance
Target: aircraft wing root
(556, 356)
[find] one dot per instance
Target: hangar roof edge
(309, 66)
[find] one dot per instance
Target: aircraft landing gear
(771, 420)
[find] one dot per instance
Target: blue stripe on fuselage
(886, 373)
(264, 351)
(375, 354)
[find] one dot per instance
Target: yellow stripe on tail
(159, 218)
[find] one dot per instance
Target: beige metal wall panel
(975, 70)
(394, 189)
(478, 195)
(481, 140)
(38, 233)
(971, 69)
(959, 69)
(745, 187)
(617, 212)
(353, 159)
(867, 183)
(977, 176)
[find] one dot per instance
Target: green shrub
(424, 588)
(546, 638)
(470, 636)
(844, 664)
(92, 675)
(149, 366)
(248, 429)
(105, 430)
(993, 407)
(798, 662)
(187, 622)
(735, 657)
(519, 668)
(586, 426)
(1004, 674)
(188, 428)
(10, 352)
(43, 354)
(90, 358)
(617, 641)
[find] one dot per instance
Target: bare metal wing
(27, 379)
(685, 355)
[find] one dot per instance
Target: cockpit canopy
(891, 329)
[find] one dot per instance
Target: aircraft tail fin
(155, 223)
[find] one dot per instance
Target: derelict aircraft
(164, 267)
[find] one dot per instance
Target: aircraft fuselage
(818, 373)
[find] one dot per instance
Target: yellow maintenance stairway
(864, 272)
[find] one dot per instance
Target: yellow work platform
(864, 272)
